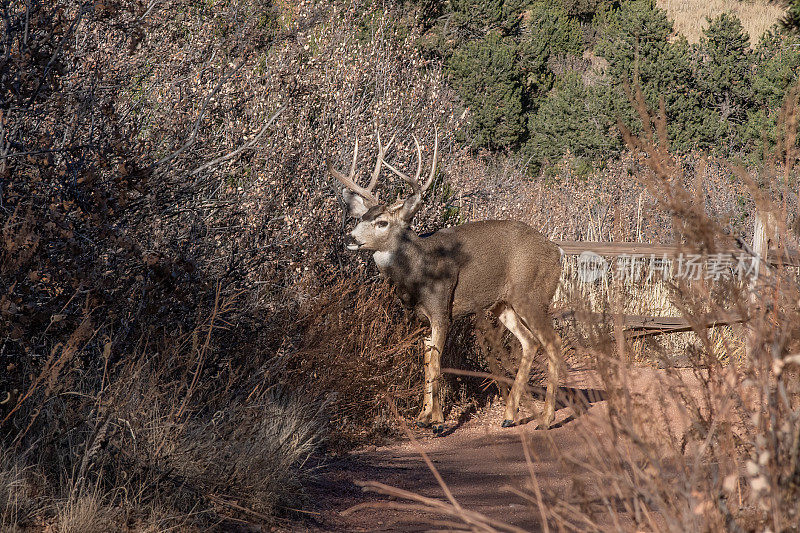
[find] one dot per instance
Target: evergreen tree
(633, 41)
(572, 117)
(487, 79)
(549, 32)
(776, 62)
(636, 44)
(478, 17)
(724, 76)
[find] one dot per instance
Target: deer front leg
(431, 407)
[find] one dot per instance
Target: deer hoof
(437, 429)
(508, 423)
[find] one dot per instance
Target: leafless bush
(719, 452)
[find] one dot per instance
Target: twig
(217, 499)
(202, 354)
(84, 9)
(196, 128)
(242, 148)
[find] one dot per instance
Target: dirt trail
(478, 461)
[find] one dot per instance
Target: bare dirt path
(479, 461)
(482, 463)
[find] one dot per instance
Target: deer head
(381, 225)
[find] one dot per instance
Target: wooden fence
(647, 250)
(637, 326)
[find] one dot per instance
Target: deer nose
(351, 243)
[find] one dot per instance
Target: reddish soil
(478, 461)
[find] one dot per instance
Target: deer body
(469, 268)
(501, 266)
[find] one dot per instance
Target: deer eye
(381, 224)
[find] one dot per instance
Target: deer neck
(384, 260)
(404, 253)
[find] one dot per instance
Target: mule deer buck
(501, 266)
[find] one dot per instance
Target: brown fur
(501, 266)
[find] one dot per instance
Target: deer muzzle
(351, 243)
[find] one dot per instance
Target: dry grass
(15, 492)
(86, 514)
(157, 441)
(757, 16)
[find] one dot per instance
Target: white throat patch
(383, 259)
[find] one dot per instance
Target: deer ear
(355, 203)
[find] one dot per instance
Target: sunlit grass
(690, 15)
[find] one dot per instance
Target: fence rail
(638, 326)
(645, 249)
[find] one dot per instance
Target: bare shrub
(361, 344)
(718, 453)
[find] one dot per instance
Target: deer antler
(349, 181)
(379, 163)
(415, 201)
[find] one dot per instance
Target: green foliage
(687, 119)
(723, 69)
(479, 17)
(634, 41)
(550, 32)
(487, 79)
(636, 45)
(791, 20)
(571, 118)
(518, 66)
(583, 9)
(777, 60)
(500, 75)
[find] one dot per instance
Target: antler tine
(379, 163)
(433, 165)
(405, 177)
(414, 182)
(355, 158)
(348, 181)
(419, 159)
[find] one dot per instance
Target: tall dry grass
(167, 437)
(757, 16)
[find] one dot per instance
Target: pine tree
(487, 79)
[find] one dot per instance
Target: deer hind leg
(515, 325)
(541, 325)
(530, 329)
(431, 406)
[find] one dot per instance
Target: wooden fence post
(764, 233)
